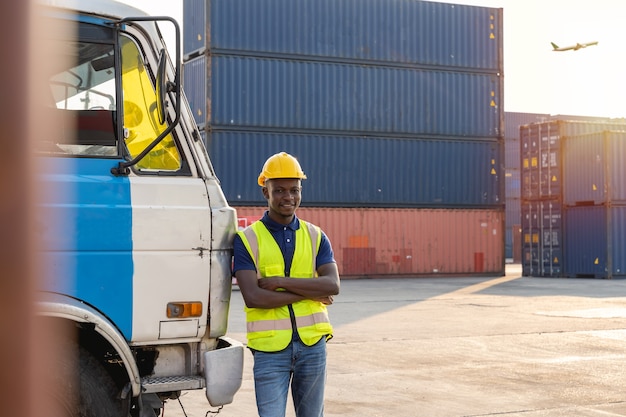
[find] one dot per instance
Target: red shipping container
(398, 241)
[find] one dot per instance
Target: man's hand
(325, 300)
(271, 283)
(255, 296)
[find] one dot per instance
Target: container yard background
(397, 241)
(394, 110)
(513, 121)
(572, 193)
(388, 116)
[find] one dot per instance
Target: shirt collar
(275, 226)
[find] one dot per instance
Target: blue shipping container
(196, 81)
(595, 238)
(358, 171)
(542, 153)
(542, 238)
(195, 27)
(593, 168)
(364, 99)
(400, 31)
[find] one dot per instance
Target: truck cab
(135, 229)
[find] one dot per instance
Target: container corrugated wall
(594, 171)
(541, 154)
(513, 121)
(512, 155)
(512, 163)
(295, 94)
(595, 238)
(576, 167)
(196, 82)
(512, 187)
(362, 171)
(542, 238)
(386, 103)
(195, 27)
(374, 242)
(400, 31)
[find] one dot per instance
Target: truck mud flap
(223, 371)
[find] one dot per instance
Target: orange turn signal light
(184, 309)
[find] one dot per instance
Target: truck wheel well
(103, 352)
(101, 349)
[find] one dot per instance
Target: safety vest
(270, 330)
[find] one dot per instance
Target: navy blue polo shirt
(285, 236)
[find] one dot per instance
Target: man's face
(283, 196)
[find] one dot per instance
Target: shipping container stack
(595, 201)
(512, 187)
(512, 123)
(393, 108)
(573, 195)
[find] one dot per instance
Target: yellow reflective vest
(270, 330)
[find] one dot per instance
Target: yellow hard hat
(280, 165)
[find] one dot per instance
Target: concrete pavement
(453, 347)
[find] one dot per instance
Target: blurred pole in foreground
(26, 351)
(16, 278)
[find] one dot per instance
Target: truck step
(171, 383)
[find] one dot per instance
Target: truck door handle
(201, 249)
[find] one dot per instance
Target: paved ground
(452, 347)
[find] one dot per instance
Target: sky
(587, 82)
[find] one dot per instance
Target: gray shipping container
(512, 153)
(594, 171)
(360, 171)
(513, 121)
(512, 184)
(399, 31)
(243, 91)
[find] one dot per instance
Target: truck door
(171, 226)
(132, 246)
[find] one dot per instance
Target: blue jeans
(304, 366)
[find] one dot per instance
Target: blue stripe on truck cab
(89, 242)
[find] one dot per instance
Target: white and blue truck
(135, 230)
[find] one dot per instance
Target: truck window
(141, 122)
(84, 99)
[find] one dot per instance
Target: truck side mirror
(163, 86)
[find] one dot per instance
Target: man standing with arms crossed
(287, 274)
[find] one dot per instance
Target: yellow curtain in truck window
(140, 114)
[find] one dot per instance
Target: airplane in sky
(573, 47)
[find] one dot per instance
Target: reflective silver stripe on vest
(304, 321)
(265, 325)
(285, 324)
(313, 233)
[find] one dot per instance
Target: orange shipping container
(397, 241)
